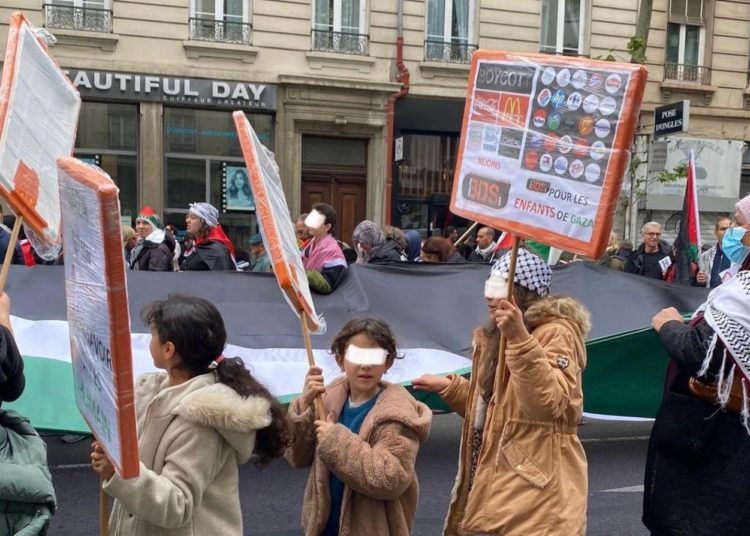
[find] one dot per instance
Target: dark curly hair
(196, 329)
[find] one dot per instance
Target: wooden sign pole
(103, 510)
(466, 234)
(319, 408)
(9, 252)
(509, 295)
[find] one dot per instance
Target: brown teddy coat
(191, 439)
(376, 466)
(531, 477)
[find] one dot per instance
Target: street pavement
(271, 497)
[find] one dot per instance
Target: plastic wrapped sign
(545, 144)
(97, 309)
(38, 118)
(276, 224)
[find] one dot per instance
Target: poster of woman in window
(239, 196)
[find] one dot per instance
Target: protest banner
(97, 310)
(38, 118)
(278, 234)
(545, 144)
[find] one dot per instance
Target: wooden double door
(345, 189)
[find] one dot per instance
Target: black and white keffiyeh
(531, 271)
(728, 313)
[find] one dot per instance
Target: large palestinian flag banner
(432, 309)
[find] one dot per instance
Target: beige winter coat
(191, 439)
(531, 477)
(376, 466)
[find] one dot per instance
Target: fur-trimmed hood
(206, 402)
(236, 418)
(559, 307)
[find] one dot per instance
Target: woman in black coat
(695, 483)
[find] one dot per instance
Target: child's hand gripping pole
(319, 408)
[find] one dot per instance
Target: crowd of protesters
(325, 254)
(522, 467)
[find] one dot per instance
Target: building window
(425, 176)
(108, 137)
(339, 26)
(562, 28)
(449, 31)
(226, 21)
(686, 37)
(199, 145)
(88, 15)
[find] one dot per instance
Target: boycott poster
(38, 118)
(97, 310)
(545, 144)
(276, 224)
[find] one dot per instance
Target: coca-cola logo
(485, 105)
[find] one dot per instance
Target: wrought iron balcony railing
(204, 29)
(78, 18)
(341, 42)
(448, 51)
(566, 51)
(697, 74)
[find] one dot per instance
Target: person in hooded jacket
(373, 246)
(155, 247)
(27, 498)
(197, 422)
(362, 480)
(413, 245)
(212, 249)
(522, 469)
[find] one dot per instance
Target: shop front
(170, 141)
(428, 132)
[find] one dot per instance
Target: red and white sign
(97, 306)
(276, 224)
(545, 144)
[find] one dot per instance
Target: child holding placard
(197, 422)
(363, 454)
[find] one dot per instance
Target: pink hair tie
(215, 362)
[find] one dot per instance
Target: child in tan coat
(362, 480)
(197, 422)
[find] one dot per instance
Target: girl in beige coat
(362, 481)
(522, 469)
(197, 422)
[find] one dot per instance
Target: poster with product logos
(545, 144)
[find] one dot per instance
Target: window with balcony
(449, 31)
(223, 21)
(340, 26)
(686, 37)
(563, 27)
(86, 15)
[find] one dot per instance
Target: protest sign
(276, 224)
(97, 310)
(544, 146)
(38, 118)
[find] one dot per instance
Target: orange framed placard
(39, 109)
(97, 310)
(545, 144)
(276, 223)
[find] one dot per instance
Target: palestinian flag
(432, 308)
(688, 242)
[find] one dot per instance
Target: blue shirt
(352, 417)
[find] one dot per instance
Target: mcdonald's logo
(513, 110)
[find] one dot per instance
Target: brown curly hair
(376, 329)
